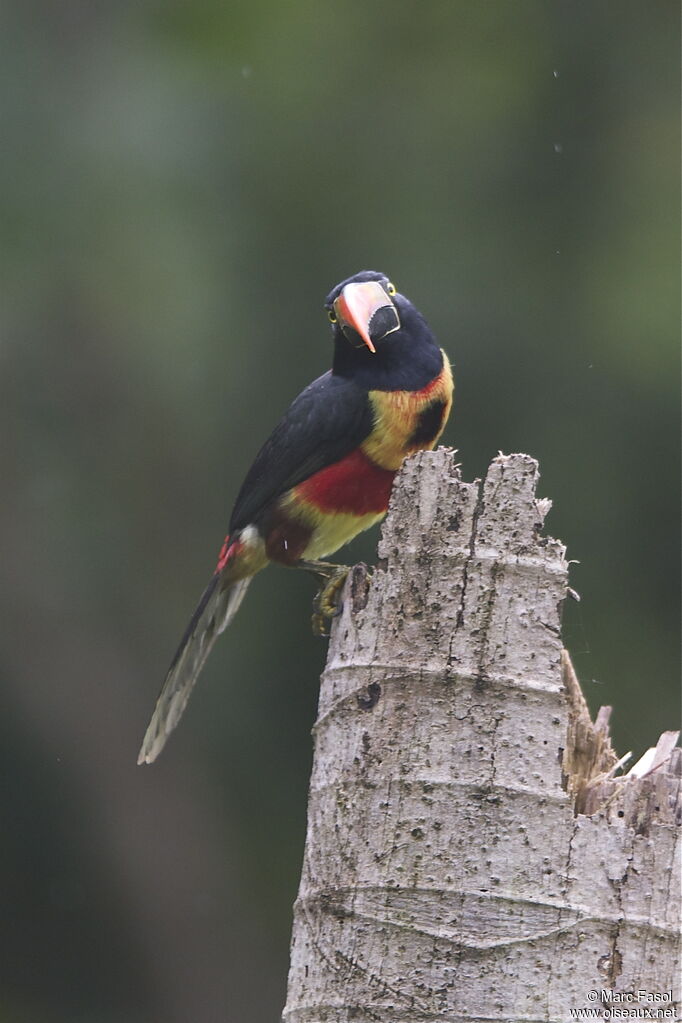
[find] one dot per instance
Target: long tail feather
(218, 605)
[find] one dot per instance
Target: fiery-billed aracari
(325, 473)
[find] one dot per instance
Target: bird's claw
(327, 604)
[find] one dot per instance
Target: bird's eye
(331, 315)
(390, 288)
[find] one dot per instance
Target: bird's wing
(326, 422)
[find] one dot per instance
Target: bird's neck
(401, 363)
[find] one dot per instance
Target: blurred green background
(181, 184)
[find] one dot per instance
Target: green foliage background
(181, 184)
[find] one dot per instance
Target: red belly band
(354, 486)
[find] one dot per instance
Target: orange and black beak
(366, 314)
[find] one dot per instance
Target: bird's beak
(366, 310)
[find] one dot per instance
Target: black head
(362, 309)
(379, 336)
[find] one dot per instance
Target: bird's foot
(327, 603)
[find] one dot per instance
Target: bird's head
(365, 310)
(380, 339)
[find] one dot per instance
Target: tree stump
(471, 852)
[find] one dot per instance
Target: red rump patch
(355, 485)
(227, 552)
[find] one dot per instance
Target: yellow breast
(408, 421)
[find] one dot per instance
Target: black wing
(327, 421)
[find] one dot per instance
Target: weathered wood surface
(447, 873)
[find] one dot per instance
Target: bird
(326, 471)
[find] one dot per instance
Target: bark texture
(451, 869)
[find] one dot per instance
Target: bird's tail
(218, 605)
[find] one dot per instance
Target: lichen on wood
(450, 869)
